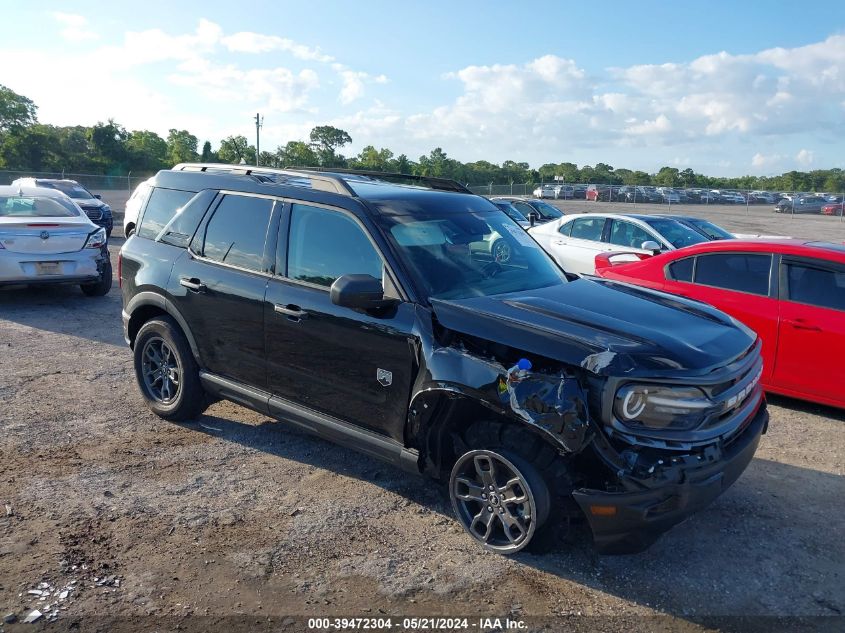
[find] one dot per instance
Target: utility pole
(259, 123)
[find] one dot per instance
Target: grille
(94, 214)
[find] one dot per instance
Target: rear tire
(167, 374)
(101, 287)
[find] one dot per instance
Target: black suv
(368, 311)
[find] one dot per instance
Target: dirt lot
(238, 514)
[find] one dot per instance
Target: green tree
(235, 149)
(297, 154)
(327, 140)
(16, 111)
(208, 156)
(668, 177)
(181, 147)
(147, 151)
(32, 147)
(403, 165)
(108, 144)
(372, 159)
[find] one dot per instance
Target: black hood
(91, 203)
(607, 327)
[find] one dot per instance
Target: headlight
(662, 407)
(97, 239)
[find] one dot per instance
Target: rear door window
(237, 232)
(587, 229)
(628, 234)
(735, 271)
(161, 207)
(816, 284)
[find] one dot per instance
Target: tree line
(108, 148)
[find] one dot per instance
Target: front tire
(167, 374)
(519, 457)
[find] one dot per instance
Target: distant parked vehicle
(669, 195)
(543, 211)
(598, 192)
(544, 191)
(575, 240)
(96, 210)
(513, 213)
(564, 192)
(764, 197)
(579, 192)
(705, 227)
(45, 238)
(833, 208)
(648, 194)
(804, 204)
(133, 205)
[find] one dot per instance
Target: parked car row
(672, 195)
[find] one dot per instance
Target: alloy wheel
(494, 501)
(161, 370)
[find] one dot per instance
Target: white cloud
(805, 157)
(75, 27)
(765, 160)
(249, 42)
(354, 82)
(278, 89)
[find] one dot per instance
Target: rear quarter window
(680, 270)
(162, 205)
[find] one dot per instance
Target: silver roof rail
(321, 182)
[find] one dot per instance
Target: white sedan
(575, 240)
(45, 238)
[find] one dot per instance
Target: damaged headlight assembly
(657, 407)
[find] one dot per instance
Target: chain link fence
(94, 182)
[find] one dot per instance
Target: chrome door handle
(192, 283)
(293, 312)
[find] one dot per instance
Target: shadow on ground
(729, 559)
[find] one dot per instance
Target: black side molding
(314, 422)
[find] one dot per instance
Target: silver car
(45, 237)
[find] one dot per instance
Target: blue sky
(724, 88)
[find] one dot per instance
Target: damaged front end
(645, 449)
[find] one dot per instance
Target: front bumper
(76, 267)
(641, 517)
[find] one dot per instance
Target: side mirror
(651, 245)
(98, 196)
(359, 292)
(532, 218)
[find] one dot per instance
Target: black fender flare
(148, 298)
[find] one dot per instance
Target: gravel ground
(237, 514)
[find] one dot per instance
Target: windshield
(471, 254)
(676, 233)
(547, 211)
(36, 207)
(711, 230)
(70, 189)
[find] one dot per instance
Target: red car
(833, 208)
(791, 292)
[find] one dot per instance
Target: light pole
(259, 123)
